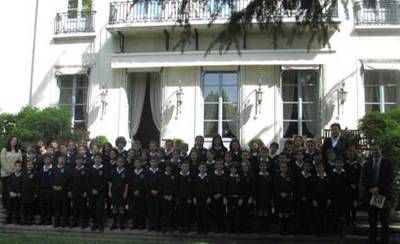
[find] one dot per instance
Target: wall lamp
(259, 98)
(179, 99)
(103, 100)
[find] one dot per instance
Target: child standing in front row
(202, 198)
(14, 193)
(137, 196)
(263, 196)
(29, 192)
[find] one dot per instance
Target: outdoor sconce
(179, 99)
(259, 98)
(341, 97)
(103, 97)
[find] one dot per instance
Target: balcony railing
(74, 22)
(380, 14)
(168, 10)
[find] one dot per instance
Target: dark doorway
(147, 129)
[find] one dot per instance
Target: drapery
(137, 93)
(155, 99)
(288, 95)
(308, 79)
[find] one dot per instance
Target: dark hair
(8, 146)
(119, 140)
(18, 162)
(335, 124)
(233, 141)
(274, 143)
(214, 138)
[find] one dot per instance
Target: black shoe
(113, 226)
(94, 227)
(101, 228)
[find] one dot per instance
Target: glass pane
(79, 125)
(391, 94)
(290, 129)
(289, 93)
(309, 111)
(229, 111)
(309, 93)
(307, 77)
(230, 94)
(80, 112)
(82, 81)
(371, 77)
(72, 4)
(290, 111)
(211, 79)
(211, 111)
(389, 107)
(81, 96)
(229, 79)
(211, 93)
(65, 81)
(372, 94)
(289, 77)
(229, 129)
(210, 129)
(309, 129)
(65, 96)
(372, 108)
(86, 5)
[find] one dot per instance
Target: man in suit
(335, 142)
(378, 179)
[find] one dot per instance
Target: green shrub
(100, 140)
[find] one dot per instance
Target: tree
(315, 18)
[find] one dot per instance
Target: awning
(291, 57)
(380, 64)
(70, 70)
(300, 67)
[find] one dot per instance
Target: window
(75, 6)
(382, 89)
(73, 96)
(220, 91)
(300, 102)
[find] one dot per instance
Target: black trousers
(383, 214)
(167, 211)
(28, 210)
(4, 191)
(202, 215)
(45, 204)
(154, 211)
(233, 214)
(79, 209)
(219, 214)
(138, 207)
(97, 207)
(320, 219)
(14, 209)
(60, 207)
(184, 210)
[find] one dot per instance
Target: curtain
(288, 94)
(310, 94)
(137, 93)
(156, 98)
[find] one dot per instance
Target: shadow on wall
(168, 113)
(330, 100)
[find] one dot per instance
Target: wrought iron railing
(169, 10)
(74, 22)
(381, 13)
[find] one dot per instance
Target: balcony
(376, 16)
(74, 22)
(148, 13)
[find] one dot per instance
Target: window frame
(300, 102)
(220, 120)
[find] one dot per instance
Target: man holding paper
(377, 180)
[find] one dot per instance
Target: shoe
(113, 226)
(101, 228)
(94, 227)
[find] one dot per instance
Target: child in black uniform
(184, 194)
(29, 192)
(118, 192)
(14, 193)
(60, 184)
(153, 200)
(234, 199)
(353, 169)
(248, 198)
(218, 182)
(137, 196)
(46, 191)
(168, 192)
(263, 196)
(78, 193)
(284, 184)
(202, 198)
(97, 183)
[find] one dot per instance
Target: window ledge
(74, 36)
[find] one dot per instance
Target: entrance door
(142, 125)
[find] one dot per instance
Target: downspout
(33, 53)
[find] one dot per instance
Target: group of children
(170, 188)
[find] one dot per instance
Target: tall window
(73, 96)
(382, 90)
(300, 102)
(220, 93)
(75, 6)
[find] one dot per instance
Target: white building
(113, 64)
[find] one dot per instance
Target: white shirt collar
(338, 171)
(233, 175)
(202, 176)
(299, 164)
(97, 166)
(219, 173)
(46, 168)
(263, 173)
(210, 162)
(138, 171)
(187, 173)
(305, 175)
(60, 166)
(80, 167)
(153, 170)
(120, 170)
(334, 141)
(322, 176)
(18, 174)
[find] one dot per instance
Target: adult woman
(8, 156)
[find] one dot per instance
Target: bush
(32, 124)
(100, 140)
